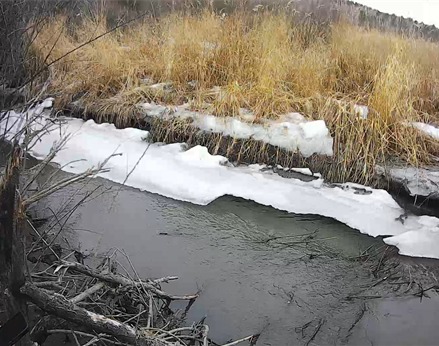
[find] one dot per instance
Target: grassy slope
(268, 63)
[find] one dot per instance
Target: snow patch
(291, 131)
(422, 235)
(199, 156)
(429, 130)
(47, 103)
(314, 129)
(305, 171)
(361, 111)
(417, 181)
(198, 177)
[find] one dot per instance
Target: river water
(288, 276)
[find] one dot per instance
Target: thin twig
(316, 331)
(101, 336)
(250, 338)
(80, 297)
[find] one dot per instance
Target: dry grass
(266, 62)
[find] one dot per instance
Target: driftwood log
(59, 306)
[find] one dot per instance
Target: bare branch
(120, 280)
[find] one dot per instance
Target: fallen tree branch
(61, 184)
(165, 279)
(101, 337)
(251, 338)
(59, 306)
(120, 280)
(87, 293)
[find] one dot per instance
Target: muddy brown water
(254, 274)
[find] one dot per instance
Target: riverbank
(194, 175)
(290, 142)
(371, 89)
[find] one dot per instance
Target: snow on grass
(361, 111)
(292, 131)
(430, 130)
(196, 176)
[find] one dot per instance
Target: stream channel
(297, 279)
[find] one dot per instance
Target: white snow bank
(430, 130)
(292, 131)
(198, 177)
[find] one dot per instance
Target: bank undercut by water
(266, 63)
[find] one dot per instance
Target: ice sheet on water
(196, 176)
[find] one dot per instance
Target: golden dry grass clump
(267, 62)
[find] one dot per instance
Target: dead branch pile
(101, 305)
(98, 305)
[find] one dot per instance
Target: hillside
(322, 10)
(372, 18)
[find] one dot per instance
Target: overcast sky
(426, 11)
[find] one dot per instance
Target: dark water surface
(255, 272)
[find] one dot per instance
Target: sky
(426, 11)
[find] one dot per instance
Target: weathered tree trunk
(58, 305)
(11, 242)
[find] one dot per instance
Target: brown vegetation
(268, 62)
